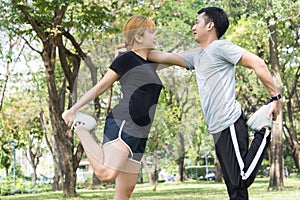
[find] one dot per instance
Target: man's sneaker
(83, 120)
(260, 118)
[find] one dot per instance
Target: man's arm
(166, 58)
(254, 62)
(163, 58)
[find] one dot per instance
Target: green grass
(180, 191)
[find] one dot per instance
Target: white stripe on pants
(245, 175)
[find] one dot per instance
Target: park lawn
(179, 191)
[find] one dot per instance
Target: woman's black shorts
(134, 136)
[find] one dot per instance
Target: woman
(128, 124)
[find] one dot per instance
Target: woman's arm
(109, 78)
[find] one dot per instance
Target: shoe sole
(84, 120)
(259, 119)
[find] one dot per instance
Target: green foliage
(7, 187)
(96, 25)
(19, 172)
(86, 16)
(5, 157)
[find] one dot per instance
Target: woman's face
(148, 39)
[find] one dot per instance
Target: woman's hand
(68, 116)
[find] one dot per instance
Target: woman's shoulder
(125, 55)
(122, 58)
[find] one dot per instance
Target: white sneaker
(83, 120)
(260, 118)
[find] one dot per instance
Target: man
(214, 64)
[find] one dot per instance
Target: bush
(22, 186)
(195, 172)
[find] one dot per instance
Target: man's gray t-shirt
(215, 75)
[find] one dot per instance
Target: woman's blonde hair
(136, 25)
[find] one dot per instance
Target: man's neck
(203, 44)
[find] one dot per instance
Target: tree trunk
(34, 161)
(34, 175)
(3, 87)
(151, 172)
(276, 157)
(182, 157)
(155, 170)
(140, 179)
(296, 156)
(57, 179)
(218, 172)
(291, 135)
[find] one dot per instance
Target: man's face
(199, 29)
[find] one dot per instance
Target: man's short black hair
(218, 16)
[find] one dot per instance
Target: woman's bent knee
(106, 175)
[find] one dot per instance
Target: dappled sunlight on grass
(259, 190)
(192, 190)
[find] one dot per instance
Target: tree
(58, 31)
(278, 44)
(9, 54)
(276, 161)
(8, 59)
(34, 149)
(51, 27)
(65, 33)
(21, 123)
(5, 158)
(266, 29)
(174, 27)
(177, 102)
(289, 57)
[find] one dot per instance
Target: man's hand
(275, 109)
(121, 48)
